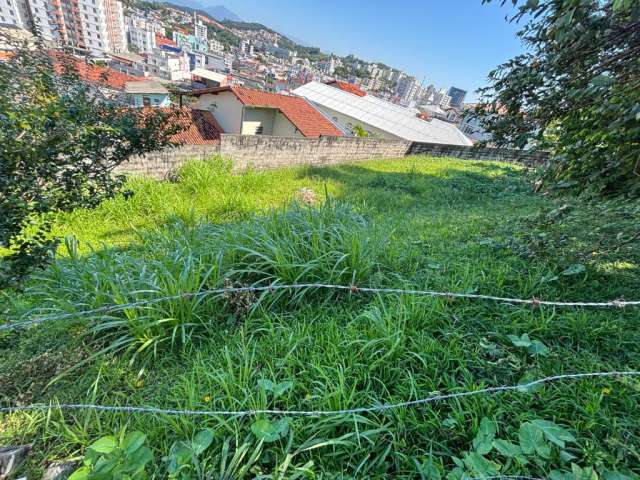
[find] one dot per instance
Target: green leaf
(538, 348)
(532, 440)
(269, 431)
(586, 473)
(528, 378)
(81, 474)
(201, 441)
(277, 388)
(480, 465)
(560, 475)
(483, 441)
(575, 269)
(507, 448)
(427, 470)
(609, 475)
(104, 445)
(554, 433)
(133, 441)
(522, 341)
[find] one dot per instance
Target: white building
(407, 90)
(378, 117)
(199, 28)
(141, 34)
(216, 47)
(96, 26)
(168, 66)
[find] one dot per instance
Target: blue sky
(449, 42)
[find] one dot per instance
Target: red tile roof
(194, 127)
(162, 40)
(103, 76)
(298, 111)
(201, 128)
(347, 87)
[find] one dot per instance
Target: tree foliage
(575, 91)
(60, 140)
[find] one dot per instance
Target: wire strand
(319, 413)
(352, 288)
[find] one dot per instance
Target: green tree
(575, 91)
(60, 140)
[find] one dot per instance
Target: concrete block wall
(264, 152)
(162, 163)
(530, 158)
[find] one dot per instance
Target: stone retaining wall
(265, 152)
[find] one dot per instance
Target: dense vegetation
(60, 139)
(576, 91)
(417, 223)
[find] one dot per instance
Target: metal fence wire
(533, 302)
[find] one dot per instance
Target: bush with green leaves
(575, 91)
(116, 458)
(60, 140)
(538, 443)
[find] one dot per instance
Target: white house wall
(282, 127)
(226, 109)
(258, 117)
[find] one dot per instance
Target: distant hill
(220, 12)
(217, 12)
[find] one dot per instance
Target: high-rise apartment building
(457, 96)
(96, 26)
(199, 28)
(407, 90)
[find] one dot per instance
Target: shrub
(60, 140)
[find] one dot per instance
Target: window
(146, 102)
(259, 130)
(156, 101)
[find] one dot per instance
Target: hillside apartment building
(93, 26)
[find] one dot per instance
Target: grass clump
(330, 244)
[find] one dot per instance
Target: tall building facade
(96, 26)
(407, 90)
(457, 96)
(199, 28)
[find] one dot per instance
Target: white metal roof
(145, 86)
(394, 119)
(209, 75)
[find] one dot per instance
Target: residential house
(241, 110)
(147, 93)
(377, 116)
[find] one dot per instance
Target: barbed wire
(317, 413)
(534, 302)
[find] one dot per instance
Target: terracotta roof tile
(104, 76)
(200, 128)
(298, 111)
(347, 87)
(162, 40)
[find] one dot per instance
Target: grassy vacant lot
(423, 223)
